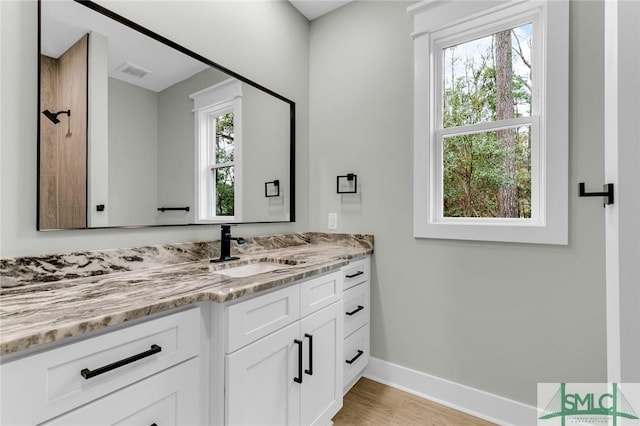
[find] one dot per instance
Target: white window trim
(549, 224)
(218, 99)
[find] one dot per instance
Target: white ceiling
(315, 8)
(64, 22)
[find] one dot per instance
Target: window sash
(469, 31)
(221, 165)
(537, 184)
(486, 126)
(212, 119)
(214, 191)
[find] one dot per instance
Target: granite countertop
(48, 306)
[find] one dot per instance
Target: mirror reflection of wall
(265, 159)
(98, 130)
(151, 147)
(256, 155)
(178, 144)
(152, 151)
(139, 132)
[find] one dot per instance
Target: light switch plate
(333, 220)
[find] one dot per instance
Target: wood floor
(372, 403)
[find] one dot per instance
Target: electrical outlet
(333, 220)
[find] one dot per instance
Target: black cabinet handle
(87, 374)
(358, 309)
(299, 378)
(153, 424)
(310, 370)
(355, 275)
(352, 360)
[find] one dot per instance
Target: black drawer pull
(87, 374)
(153, 424)
(299, 378)
(355, 275)
(352, 360)
(358, 309)
(310, 370)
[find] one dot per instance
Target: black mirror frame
(136, 27)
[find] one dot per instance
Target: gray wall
(133, 154)
(264, 41)
(497, 317)
(628, 153)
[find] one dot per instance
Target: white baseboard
(463, 398)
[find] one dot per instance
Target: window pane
(224, 148)
(487, 79)
(223, 197)
(487, 174)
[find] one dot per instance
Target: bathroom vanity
(160, 335)
(273, 338)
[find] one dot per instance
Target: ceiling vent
(133, 70)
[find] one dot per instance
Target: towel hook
(608, 193)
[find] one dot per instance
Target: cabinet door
(169, 398)
(321, 390)
(260, 389)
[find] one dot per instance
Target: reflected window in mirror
(223, 166)
(218, 120)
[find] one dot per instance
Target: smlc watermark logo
(588, 404)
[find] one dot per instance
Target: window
(484, 133)
(490, 120)
(222, 150)
(219, 152)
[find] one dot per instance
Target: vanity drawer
(356, 308)
(356, 354)
(319, 292)
(356, 272)
(255, 318)
(168, 398)
(60, 379)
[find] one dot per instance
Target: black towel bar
(165, 209)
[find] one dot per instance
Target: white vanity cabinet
(284, 355)
(279, 357)
(357, 313)
(139, 375)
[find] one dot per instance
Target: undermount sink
(252, 269)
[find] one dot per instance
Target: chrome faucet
(225, 244)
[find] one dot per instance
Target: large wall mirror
(135, 130)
